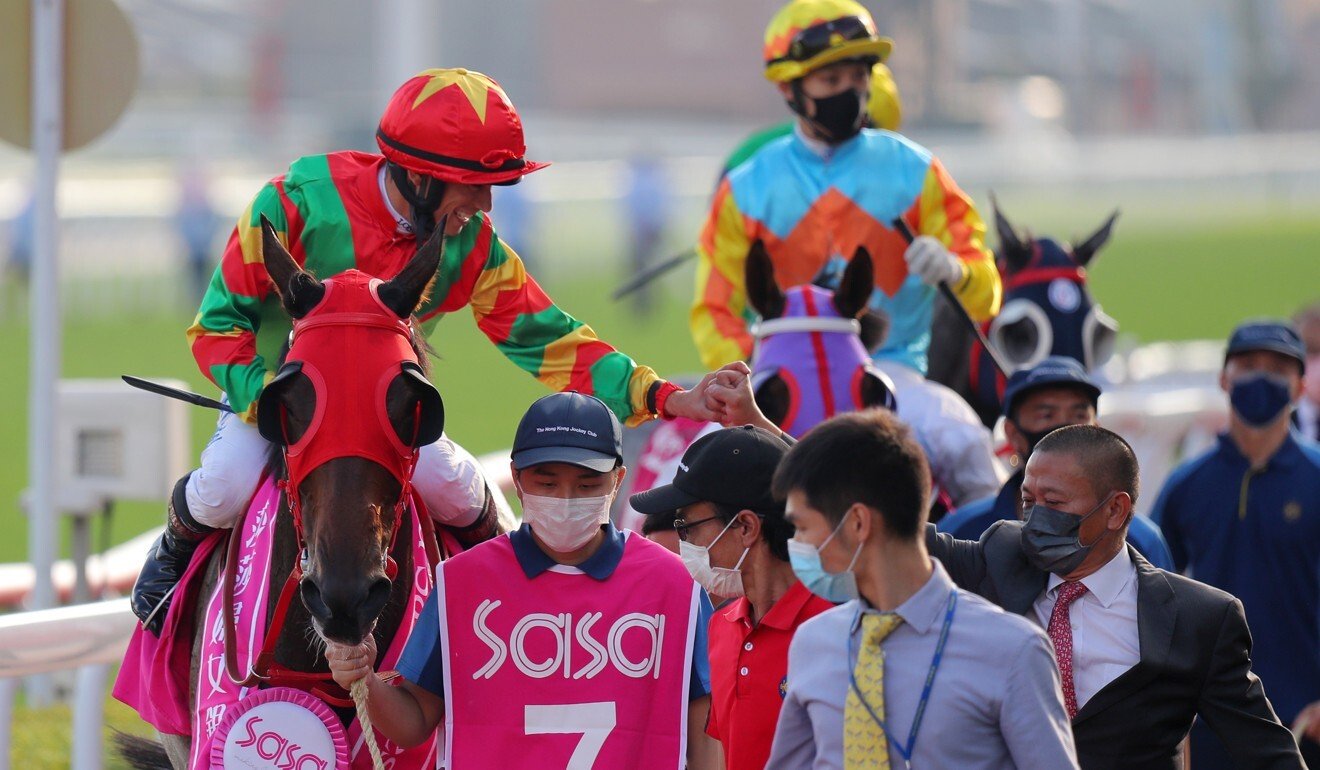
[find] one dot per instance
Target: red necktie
(1060, 631)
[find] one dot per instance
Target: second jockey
(813, 197)
(446, 137)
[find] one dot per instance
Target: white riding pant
(448, 478)
(959, 448)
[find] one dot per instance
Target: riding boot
(167, 560)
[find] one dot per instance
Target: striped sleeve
(223, 335)
(946, 212)
(718, 315)
(514, 312)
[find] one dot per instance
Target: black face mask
(1051, 539)
(839, 117)
(1033, 437)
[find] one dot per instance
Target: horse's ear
(1013, 250)
(404, 292)
(298, 289)
(1086, 251)
(763, 293)
(856, 286)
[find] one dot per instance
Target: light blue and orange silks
(811, 212)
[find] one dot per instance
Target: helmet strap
(421, 198)
(798, 104)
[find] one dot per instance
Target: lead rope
(359, 688)
(359, 693)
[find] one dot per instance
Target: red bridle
(349, 332)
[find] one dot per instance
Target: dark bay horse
(813, 346)
(811, 360)
(343, 538)
(1047, 310)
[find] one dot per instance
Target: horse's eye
(415, 409)
(1022, 333)
(286, 407)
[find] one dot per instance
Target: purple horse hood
(817, 353)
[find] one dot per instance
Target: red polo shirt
(749, 673)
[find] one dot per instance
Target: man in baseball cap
(734, 540)
(1038, 400)
(567, 562)
(1245, 517)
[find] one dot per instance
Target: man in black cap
(1037, 400)
(734, 540)
(1245, 517)
(566, 610)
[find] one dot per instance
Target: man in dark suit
(1141, 651)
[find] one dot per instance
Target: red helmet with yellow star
(455, 125)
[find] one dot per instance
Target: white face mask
(719, 581)
(565, 524)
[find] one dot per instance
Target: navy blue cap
(1275, 336)
(731, 467)
(1054, 371)
(569, 428)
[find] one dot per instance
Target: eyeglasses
(681, 526)
(815, 40)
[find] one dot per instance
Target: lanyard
(905, 751)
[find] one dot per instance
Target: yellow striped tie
(864, 744)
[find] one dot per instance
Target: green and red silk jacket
(330, 213)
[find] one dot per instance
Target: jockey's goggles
(848, 37)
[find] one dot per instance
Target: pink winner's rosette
(281, 728)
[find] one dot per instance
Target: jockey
(566, 610)
(884, 110)
(446, 136)
(813, 197)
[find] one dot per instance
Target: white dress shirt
(1104, 624)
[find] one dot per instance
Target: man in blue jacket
(1053, 393)
(1245, 517)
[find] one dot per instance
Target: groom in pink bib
(566, 644)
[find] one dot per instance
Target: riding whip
(901, 226)
(650, 273)
(182, 395)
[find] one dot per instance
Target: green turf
(43, 738)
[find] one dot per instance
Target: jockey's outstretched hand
(697, 403)
(737, 402)
(349, 664)
(929, 260)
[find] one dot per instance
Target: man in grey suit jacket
(1142, 651)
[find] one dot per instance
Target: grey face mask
(1051, 538)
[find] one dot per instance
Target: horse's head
(810, 361)
(1048, 309)
(351, 405)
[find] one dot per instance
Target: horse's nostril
(377, 596)
(311, 596)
